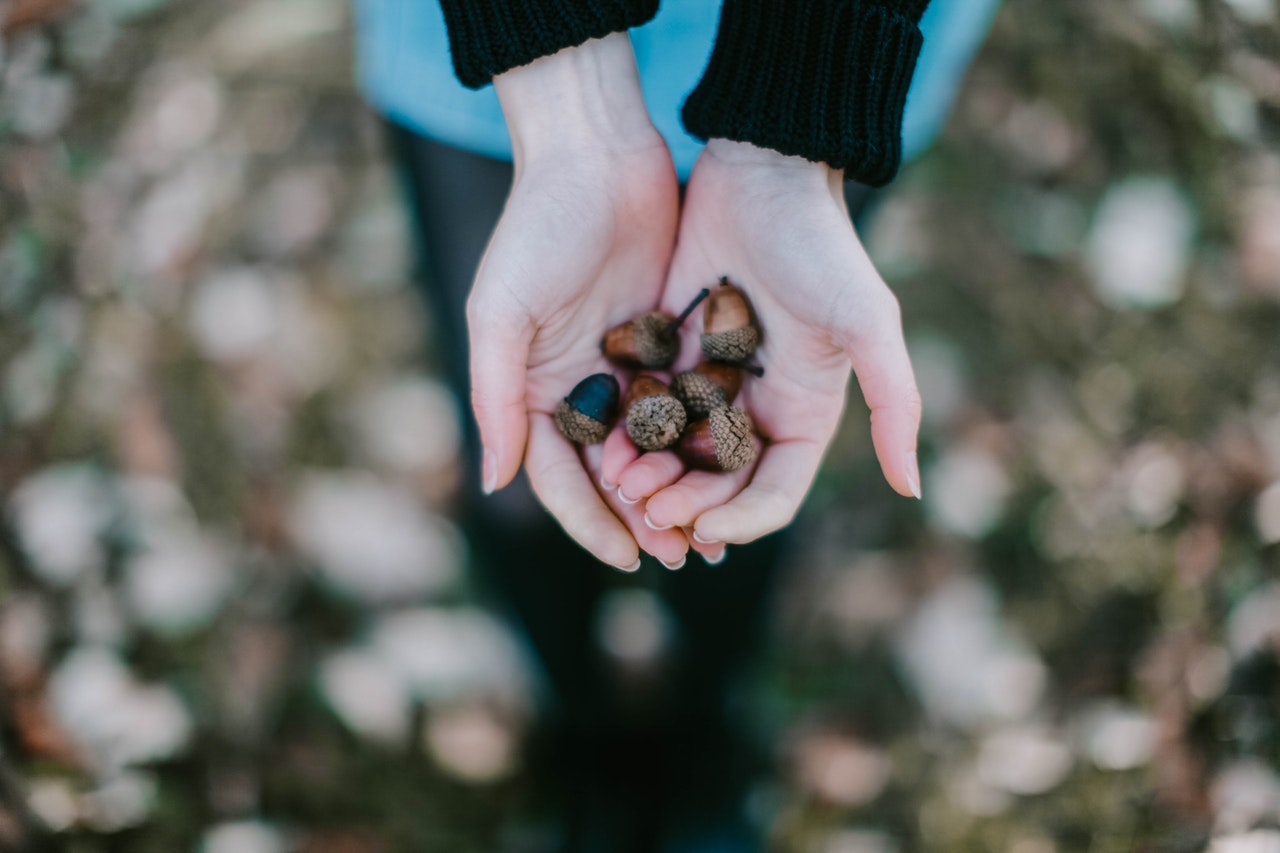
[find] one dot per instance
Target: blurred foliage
(227, 477)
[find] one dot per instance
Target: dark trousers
(662, 743)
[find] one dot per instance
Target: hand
(583, 243)
(778, 227)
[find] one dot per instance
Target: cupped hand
(583, 243)
(778, 227)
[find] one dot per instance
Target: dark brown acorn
(650, 341)
(655, 418)
(723, 441)
(585, 416)
(709, 385)
(729, 331)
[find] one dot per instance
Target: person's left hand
(778, 227)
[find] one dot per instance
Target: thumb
(883, 369)
(499, 363)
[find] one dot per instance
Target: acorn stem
(752, 368)
(684, 315)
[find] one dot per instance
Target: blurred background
(235, 616)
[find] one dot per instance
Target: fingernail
(717, 559)
(649, 521)
(606, 485)
(674, 566)
(913, 474)
(631, 568)
(699, 539)
(625, 499)
(489, 472)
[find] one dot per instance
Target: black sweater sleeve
(823, 79)
(488, 37)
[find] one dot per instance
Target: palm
(600, 261)
(788, 242)
(728, 232)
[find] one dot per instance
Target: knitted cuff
(488, 37)
(823, 79)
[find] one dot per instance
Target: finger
(771, 498)
(883, 368)
(712, 553)
(668, 545)
(649, 473)
(566, 489)
(618, 453)
(499, 353)
(695, 493)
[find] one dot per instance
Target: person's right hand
(583, 244)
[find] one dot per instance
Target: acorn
(723, 441)
(655, 418)
(709, 385)
(729, 331)
(585, 416)
(650, 341)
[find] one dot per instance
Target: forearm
(584, 97)
(752, 156)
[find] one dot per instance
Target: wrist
(584, 97)
(746, 155)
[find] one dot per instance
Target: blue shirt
(406, 72)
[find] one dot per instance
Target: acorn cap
(734, 434)
(698, 394)
(733, 345)
(724, 441)
(647, 341)
(585, 416)
(655, 419)
(577, 427)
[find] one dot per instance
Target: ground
(237, 617)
